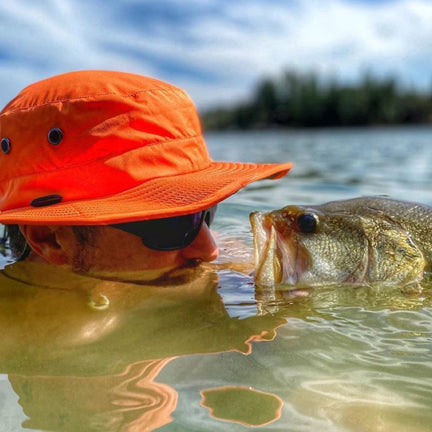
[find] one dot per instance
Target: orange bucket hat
(101, 147)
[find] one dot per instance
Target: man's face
(107, 250)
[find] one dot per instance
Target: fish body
(357, 241)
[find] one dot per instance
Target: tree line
(295, 100)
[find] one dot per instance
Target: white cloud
(215, 49)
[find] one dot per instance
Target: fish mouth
(275, 256)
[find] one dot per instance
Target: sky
(217, 50)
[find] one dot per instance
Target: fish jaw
(274, 255)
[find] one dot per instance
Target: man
(108, 171)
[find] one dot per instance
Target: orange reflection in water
(131, 400)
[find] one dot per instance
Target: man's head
(156, 246)
(100, 148)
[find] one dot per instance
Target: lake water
(215, 354)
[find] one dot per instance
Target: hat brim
(156, 198)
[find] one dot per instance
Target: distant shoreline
(299, 101)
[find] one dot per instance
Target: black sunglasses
(170, 233)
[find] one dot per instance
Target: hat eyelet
(55, 135)
(5, 145)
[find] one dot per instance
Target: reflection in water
(243, 405)
(361, 354)
(130, 401)
(77, 367)
(341, 353)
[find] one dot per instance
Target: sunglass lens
(167, 233)
(172, 233)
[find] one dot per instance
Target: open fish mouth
(275, 256)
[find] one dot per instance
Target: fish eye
(307, 223)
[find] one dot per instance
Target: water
(216, 354)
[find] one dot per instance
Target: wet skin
(112, 250)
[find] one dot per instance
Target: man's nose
(203, 247)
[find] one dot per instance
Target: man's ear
(43, 241)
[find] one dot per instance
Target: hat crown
(84, 84)
(117, 130)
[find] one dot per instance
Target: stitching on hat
(215, 166)
(127, 95)
(97, 159)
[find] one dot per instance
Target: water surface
(338, 359)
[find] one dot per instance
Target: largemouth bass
(356, 241)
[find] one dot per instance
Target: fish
(363, 240)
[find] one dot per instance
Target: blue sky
(216, 49)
